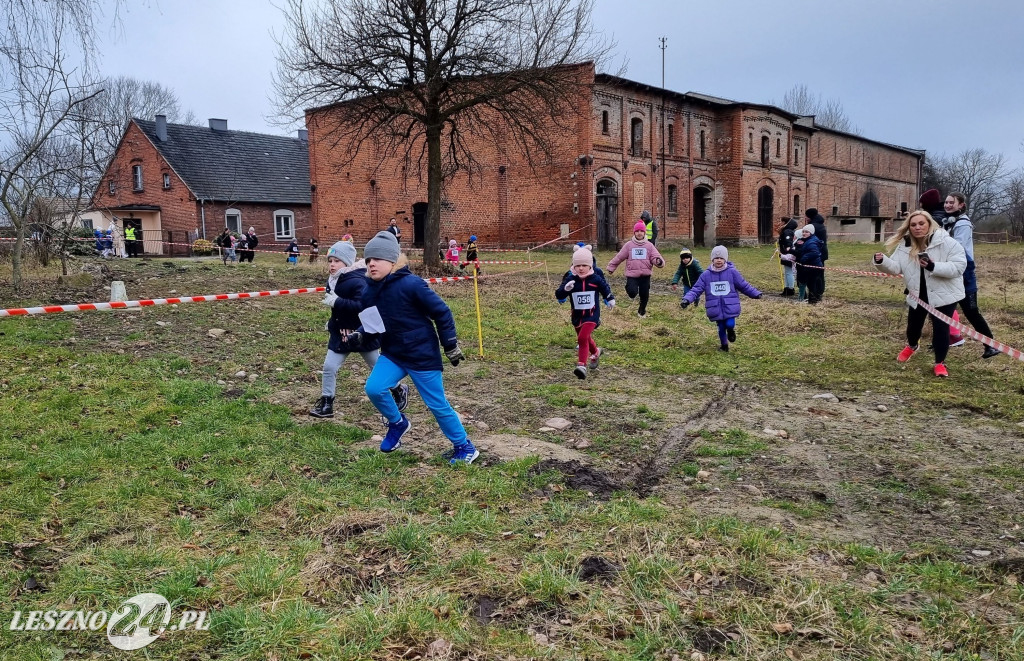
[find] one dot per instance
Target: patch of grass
(729, 443)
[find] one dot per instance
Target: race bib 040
(721, 288)
(584, 300)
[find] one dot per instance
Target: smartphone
(923, 255)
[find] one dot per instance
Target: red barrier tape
(120, 305)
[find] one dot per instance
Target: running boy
(410, 319)
(688, 272)
(346, 284)
(721, 285)
(471, 255)
(582, 285)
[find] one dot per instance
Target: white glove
(611, 303)
(569, 285)
(329, 299)
(327, 325)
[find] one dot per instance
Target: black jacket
(350, 288)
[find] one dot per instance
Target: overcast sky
(940, 75)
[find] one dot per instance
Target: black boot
(324, 408)
(989, 352)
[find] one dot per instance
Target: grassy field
(702, 505)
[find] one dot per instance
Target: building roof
(235, 166)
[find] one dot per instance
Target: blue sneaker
(464, 453)
(396, 430)
(400, 393)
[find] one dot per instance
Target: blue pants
(723, 329)
(386, 375)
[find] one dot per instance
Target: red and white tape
(120, 305)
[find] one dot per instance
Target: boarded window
(637, 137)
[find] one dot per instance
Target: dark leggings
(640, 284)
(940, 329)
(970, 308)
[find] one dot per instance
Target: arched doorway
(607, 213)
(765, 210)
(419, 223)
(702, 233)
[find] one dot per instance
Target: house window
(637, 137)
(87, 223)
(703, 145)
(110, 186)
(671, 139)
(136, 177)
(672, 196)
(765, 151)
(796, 205)
(233, 220)
(167, 180)
(750, 143)
(284, 224)
(604, 122)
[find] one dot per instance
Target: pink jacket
(640, 257)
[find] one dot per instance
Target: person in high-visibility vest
(129, 240)
(651, 226)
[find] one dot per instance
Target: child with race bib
(582, 287)
(640, 256)
(721, 285)
(411, 320)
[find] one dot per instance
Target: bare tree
(981, 177)
(827, 112)
(422, 78)
(1014, 197)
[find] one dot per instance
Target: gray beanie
(383, 246)
(344, 251)
(720, 251)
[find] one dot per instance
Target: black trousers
(940, 329)
(815, 280)
(970, 309)
(641, 284)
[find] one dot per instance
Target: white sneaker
(958, 344)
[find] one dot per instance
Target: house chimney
(218, 124)
(161, 128)
(304, 135)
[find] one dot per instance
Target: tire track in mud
(648, 474)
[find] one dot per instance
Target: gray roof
(235, 166)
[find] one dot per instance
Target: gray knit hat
(720, 251)
(383, 246)
(344, 251)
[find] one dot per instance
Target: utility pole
(664, 128)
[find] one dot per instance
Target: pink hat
(639, 227)
(582, 255)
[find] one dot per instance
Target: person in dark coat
(787, 256)
(821, 233)
(410, 320)
(810, 263)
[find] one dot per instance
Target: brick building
(710, 169)
(176, 182)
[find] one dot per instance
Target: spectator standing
(395, 230)
(961, 228)
(787, 255)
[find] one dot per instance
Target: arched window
(636, 137)
(672, 197)
(703, 145)
(284, 224)
(671, 139)
(233, 220)
(765, 151)
(796, 156)
(796, 205)
(604, 122)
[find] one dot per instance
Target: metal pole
(664, 195)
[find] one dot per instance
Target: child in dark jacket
(721, 285)
(410, 319)
(346, 284)
(582, 285)
(810, 263)
(471, 255)
(688, 272)
(293, 252)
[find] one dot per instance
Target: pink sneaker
(940, 370)
(905, 354)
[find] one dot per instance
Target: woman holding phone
(932, 265)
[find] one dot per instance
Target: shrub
(202, 248)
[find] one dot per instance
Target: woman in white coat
(932, 265)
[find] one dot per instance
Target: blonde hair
(916, 245)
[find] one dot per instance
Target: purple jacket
(722, 298)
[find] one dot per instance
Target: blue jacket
(411, 310)
(722, 298)
(349, 288)
(808, 251)
(585, 308)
